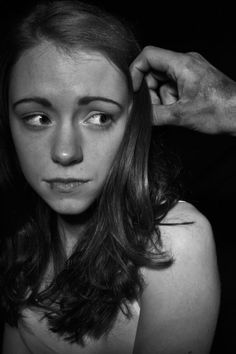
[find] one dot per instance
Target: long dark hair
(102, 276)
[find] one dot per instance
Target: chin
(70, 207)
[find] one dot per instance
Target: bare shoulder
(183, 212)
(13, 342)
(185, 230)
(179, 305)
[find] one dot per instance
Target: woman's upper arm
(179, 305)
(13, 342)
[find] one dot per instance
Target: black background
(208, 161)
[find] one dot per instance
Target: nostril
(67, 156)
(67, 144)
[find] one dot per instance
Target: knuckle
(147, 49)
(195, 54)
(190, 59)
(195, 57)
(193, 64)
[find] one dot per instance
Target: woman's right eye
(37, 120)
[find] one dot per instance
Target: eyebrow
(85, 100)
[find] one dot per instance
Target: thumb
(168, 93)
(170, 114)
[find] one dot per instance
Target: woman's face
(68, 114)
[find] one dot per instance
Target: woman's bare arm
(180, 304)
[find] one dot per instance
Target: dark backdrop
(209, 173)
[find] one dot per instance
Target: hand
(186, 90)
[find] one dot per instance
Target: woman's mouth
(66, 185)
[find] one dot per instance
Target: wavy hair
(102, 276)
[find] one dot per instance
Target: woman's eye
(37, 120)
(100, 119)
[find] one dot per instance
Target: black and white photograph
(117, 177)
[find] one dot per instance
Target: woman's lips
(66, 185)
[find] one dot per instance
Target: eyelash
(29, 118)
(109, 116)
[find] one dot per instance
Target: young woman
(97, 253)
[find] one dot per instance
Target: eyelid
(30, 116)
(29, 119)
(110, 116)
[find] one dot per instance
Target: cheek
(101, 153)
(30, 153)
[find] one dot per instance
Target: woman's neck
(70, 233)
(71, 228)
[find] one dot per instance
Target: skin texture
(68, 139)
(186, 90)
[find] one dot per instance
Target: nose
(66, 147)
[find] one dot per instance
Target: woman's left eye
(100, 119)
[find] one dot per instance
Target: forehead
(47, 69)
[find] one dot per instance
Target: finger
(172, 114)
(168, 93)
(151, 81)
(161, 115)
(154, 97)
(180, 114)
(154, 58)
